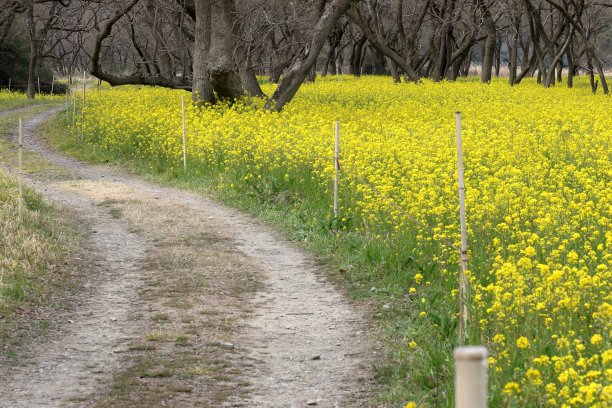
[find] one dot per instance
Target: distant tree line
(216, 48)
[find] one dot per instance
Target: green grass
(366, 268)
(31, 248)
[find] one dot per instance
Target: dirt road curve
(186, 303)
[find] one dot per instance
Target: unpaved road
(187, 303)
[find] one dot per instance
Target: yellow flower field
(539, 201)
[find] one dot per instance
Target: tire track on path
(303, 344)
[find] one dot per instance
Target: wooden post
(10, 84)
(471, 377)
(336, 166)
(74, 92)
(52, 83)
(83, 109)
(38, 78)
(463, 283)
(184, 136)
(20, 168)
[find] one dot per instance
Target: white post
(184, 136)
(20, 168)
(463, 284)
(471, 377)
(336, 165)
(52, 83)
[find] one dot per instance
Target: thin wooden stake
(463, 283)
(10, 84)
(38, 78)
(52, 83)
(74, 92)
(83, 109)
(336, 166)
(184, 136)
(20, 168)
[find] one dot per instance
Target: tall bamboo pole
(336, 166)
(83, 109)
(463, 283)
(20, 168)
(184, 135)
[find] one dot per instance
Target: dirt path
(190, 304)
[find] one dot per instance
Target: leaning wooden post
(463, 268)
(471, 377)
(336, 166)
(20, 168)
(184, 135)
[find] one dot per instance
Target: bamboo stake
(83, 109)
(74, 107)
(184, 136)
(20, 168)
(463, 284)
(336, 166)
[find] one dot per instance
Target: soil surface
(186, 303)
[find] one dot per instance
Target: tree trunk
(393, 70)
(33, 53)
(377, 41)
(488, 47)
(602, 76)
(221, 70)
(202, 91)
(249, 81)
(307, 58)
(356, 56)
(512, 58)
(497, 58)
(570, 67)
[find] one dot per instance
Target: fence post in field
(73, 107)
(471, 377)
(20, 168)
(463, 282)
(184, 135)
(83, 109)
(336, 166)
